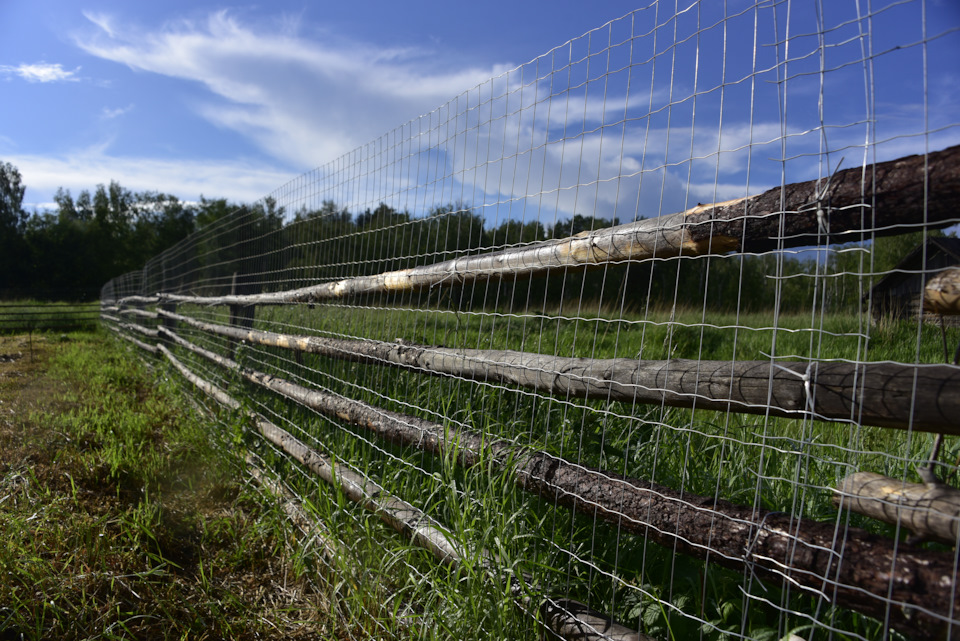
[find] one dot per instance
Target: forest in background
(69, 252)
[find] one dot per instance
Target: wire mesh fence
(649, 336)
(41, 316)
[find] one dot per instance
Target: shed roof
(912, 261)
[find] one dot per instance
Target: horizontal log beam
(146, 331)
(144, 346)
(853, 205)
(142, 313)
(137, 300)
(329, 545)
(916, 590)
(919, 397)
(400, 515)
(565, 617)
(929, 511)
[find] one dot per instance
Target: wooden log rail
(138, 343)
(852, 205)
(916, 590)
(146, 331)
(568, 618)
(139, 300)
(142, 313)
(931, 511)
(919, 397)
(399, 514)
(330, 549)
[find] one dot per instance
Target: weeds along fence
(613, 344)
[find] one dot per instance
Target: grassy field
(123, 516)
(778, 464)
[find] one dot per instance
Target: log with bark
(399, 514)
(919, 397)
(138, 343)
(142, 313)
(855, 204)
(567, 618)
(916, 590)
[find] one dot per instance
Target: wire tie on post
(807, 382)
(823, 211)
(753, 542)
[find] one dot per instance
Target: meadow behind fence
(649, 337)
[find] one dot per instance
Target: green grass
(37, 316)
(778, 464)
(122, 516)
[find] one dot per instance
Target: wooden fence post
(240, 315)
(165, 321)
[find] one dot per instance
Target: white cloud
(303, 101)
(41, 72)
(238, 181)
(109, 114)
(614, 144)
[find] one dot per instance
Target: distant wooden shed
(899, 294)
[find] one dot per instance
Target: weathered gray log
(152, 333)
(132, 327)
(919, 397)
(399, 514)
(142, 313)
(329, 546)
(138, 343)
(568, 618)
(929, 510)
(138, 300)
(916, 590)
(575, 621)
(853, 205)
(942, 293)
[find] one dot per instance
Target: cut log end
(942, 293)
(929, 511)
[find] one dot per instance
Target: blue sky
(234, 100)
(168, 96)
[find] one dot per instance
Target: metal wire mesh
(439, 235)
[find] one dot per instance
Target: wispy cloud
(302, 100)
(621, 143)
(239, 181)
(41, 72)
(110, 114)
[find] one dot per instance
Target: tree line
(70, 251)
(73, 249)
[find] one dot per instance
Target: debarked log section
(852, 205)
(930, 511)
(919, 397)
(915, 589)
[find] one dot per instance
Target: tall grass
(774, 463)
